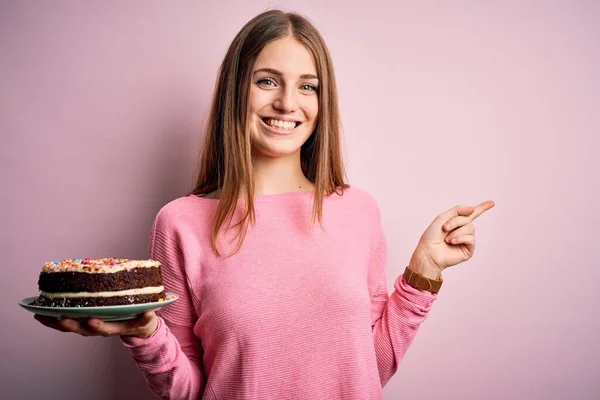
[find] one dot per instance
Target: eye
(308, 88)
(266, 82)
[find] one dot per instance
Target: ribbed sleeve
(396, 317)
(171, 358)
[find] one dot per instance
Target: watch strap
(420, 282)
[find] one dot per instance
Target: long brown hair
(226, 156)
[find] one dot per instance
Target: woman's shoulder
(189, 209)
(358, 196)
(357, 202)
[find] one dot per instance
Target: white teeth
(287, 125)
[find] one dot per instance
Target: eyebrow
(278, 73)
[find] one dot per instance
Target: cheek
(312, 110)
(258, 100)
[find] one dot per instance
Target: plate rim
(24, 303)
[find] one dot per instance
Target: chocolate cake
(100, 282)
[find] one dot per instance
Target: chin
(276, 150)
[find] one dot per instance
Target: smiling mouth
(281, 125)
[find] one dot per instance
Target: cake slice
(99, 282)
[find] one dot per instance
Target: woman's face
(283, 106)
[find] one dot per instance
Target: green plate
(107, 313)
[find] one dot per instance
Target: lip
(276, 130)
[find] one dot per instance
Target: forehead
(288, 56)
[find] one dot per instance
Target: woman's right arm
(171, 358)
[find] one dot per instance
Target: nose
(286, 101)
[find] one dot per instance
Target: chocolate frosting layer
(98, 301)
(59, 282)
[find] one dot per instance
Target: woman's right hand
(142, 327)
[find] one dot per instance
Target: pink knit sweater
(300, 312)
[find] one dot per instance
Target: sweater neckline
(269, 197)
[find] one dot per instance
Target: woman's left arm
(395, 318)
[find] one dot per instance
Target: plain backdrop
(102, 106)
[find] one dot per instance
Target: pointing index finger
(481, 208)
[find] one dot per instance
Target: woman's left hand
(450, 239)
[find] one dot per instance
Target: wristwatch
(420, 282)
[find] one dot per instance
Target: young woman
(278, 262)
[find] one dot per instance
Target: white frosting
(98, 266)
(130, 292)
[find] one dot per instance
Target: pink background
(101, 110)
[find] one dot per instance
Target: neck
(279, 175)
